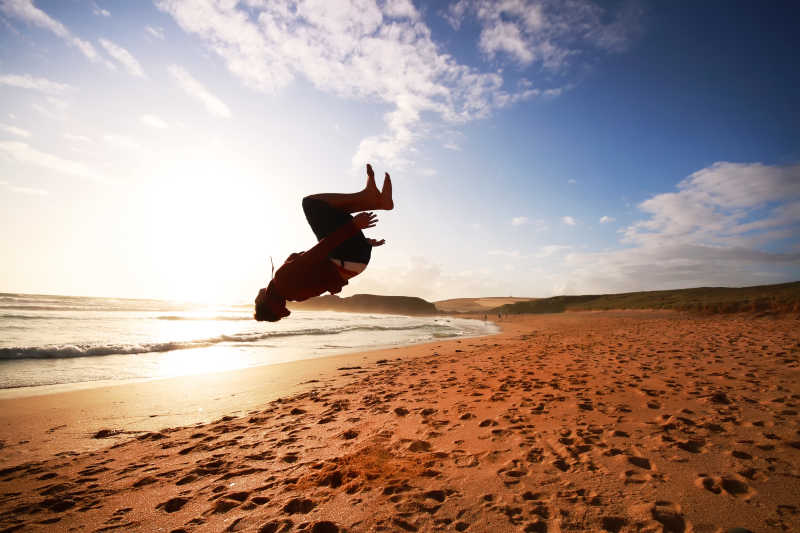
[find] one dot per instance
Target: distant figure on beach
(341, 253)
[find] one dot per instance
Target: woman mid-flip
(341, 253)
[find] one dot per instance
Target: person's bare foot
(372, 187)
(386, 193)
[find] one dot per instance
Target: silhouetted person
(341, 253)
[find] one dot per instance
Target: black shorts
(325, 219)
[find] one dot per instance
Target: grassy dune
(781, 298)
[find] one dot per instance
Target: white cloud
(357, 49)
(506, 37)
(26, 81)
(720, 228)
(197, 90)
(52, 107)
(452, 146)
(155, 31)
(124, 57)
(552, 249)
(568, 220)
(153, 121)
(546, 32)
(99, 11)
(25, 10)
(24, 153)
(606, 219)
(428, 172)
(504, 253)
(14, 130)
(720, 205)
(432, 281)
(519, 221)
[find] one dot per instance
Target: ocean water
(55, 340)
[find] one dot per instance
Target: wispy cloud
(25, 10)
(724, 204)
(24, 153)
(365, 50)
(198, 91)
(605, 219)
(13, 130)
(717, 229)
(429, 280)
(553, 249)
(124, 57)
(544, 31)
(99, 11)
(519, 221)
(153, 121)
(26, 81)
(155, 31)
(568, 220)
(52, 107)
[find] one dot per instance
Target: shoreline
(40, 390)
(37, 424)
(10, 393)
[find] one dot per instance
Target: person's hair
(263, 311)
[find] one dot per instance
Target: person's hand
(373, 242)
(370, 173)
(365, 220)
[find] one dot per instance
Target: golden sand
(615, 421)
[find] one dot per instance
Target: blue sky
(537, 148)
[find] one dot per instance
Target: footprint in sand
(299, 506)
(730, 484)
(641, 462)
(613, 523)
(419, 446)
(276, 526)
(173, 505)
(692, 445)
(635, 477)
(670, 516)
(512, 472)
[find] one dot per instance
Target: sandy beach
(597, 421)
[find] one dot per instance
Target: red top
(310, 273)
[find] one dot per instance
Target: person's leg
(367, 199)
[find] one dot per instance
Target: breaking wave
(88, 350)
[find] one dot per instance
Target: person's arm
(324, 247)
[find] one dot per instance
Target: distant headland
(368, 303)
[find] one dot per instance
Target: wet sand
(616, 421)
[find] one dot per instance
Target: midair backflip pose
(341, 253)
